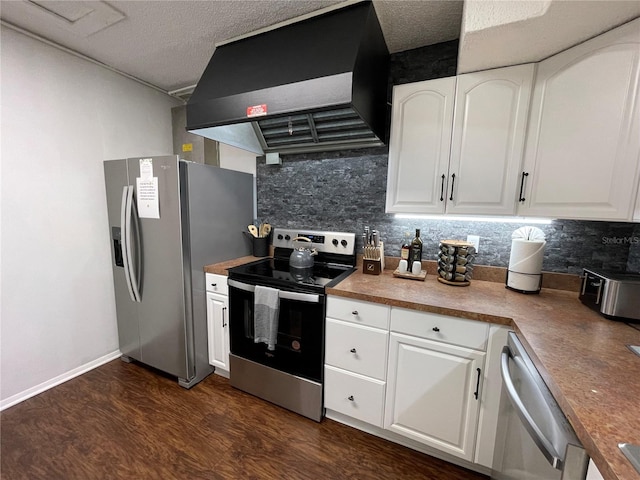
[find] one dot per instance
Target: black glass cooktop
(278, 274)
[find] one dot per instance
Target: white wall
(61, 117)
(234, 158)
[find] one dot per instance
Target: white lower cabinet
(357, 338)
(431, 379)
(218, 323)
(354, 395)
(358, 349)
(433, 393)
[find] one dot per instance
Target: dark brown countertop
(221, 268)
(582, 356)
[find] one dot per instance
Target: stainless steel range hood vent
(318, 84)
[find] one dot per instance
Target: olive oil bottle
(415, 252)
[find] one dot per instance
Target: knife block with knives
(373, 256)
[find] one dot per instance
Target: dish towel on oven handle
(265, 316)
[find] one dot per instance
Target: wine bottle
(406, 247)
(415, 254)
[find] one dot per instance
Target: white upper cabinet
(465, 162)
(636, 213)
(488, 140)
(581, 157)
(419, 146)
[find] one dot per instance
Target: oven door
(300, 343)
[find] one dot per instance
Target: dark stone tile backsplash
(633, 264)
(346, 190)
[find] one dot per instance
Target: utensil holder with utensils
(260, 236)
(373, 259)
(455, 262)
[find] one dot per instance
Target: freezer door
(116, 179)
(158, 259)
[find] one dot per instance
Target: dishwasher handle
(529, 423)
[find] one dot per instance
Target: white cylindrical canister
(525, 262)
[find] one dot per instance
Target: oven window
(300, 341)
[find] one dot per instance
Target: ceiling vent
(83, 18)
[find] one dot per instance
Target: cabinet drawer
(357, 348)
(457, 331)
(354, 395)
(216, 283)
(359, 312)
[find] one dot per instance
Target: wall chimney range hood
(315, 85)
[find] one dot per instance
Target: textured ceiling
(169, 43)
(497, 33)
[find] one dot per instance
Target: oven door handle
(284, 295)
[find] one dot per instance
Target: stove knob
(335, 241)
(287, 237)
(344, 243)
(280, 237)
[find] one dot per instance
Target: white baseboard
(33, 391)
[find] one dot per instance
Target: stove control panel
(328, 242)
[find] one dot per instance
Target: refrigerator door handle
(124, 232)
(133, 280)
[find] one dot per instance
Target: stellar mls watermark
(620, 240)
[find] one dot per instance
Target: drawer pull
(353, 350)
(435, 329)
(355, 312)
(214, 284)
(350, 398)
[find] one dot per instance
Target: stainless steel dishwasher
(535, 441)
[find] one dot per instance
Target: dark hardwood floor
(123, 421)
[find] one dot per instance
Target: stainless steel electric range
(290, 373)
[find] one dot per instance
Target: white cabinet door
(636, 212)
(218, 330)
(488, 140)
(582, 146)
(433, 393)
(419, 146)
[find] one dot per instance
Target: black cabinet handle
(350, 398)
(353, 350)
(453, 181)
(520, 197)
(224, 309)
(442, 189)
(214, 284)
(435, 329)
(475, 394)
(355, 312)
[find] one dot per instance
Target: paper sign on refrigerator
(147, 197)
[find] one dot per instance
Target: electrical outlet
(475, 239)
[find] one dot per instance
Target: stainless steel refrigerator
(168, 218)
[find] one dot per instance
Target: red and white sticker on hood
(257, 111)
